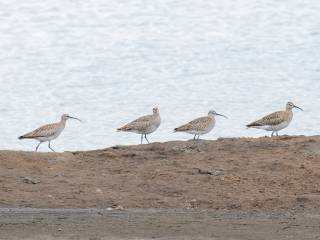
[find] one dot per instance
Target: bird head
(290, 105)
(214, 113)
(65, 117)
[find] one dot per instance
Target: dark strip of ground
(167, 224)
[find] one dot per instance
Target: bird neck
(289, 110)
(210, 115)
(290, 114)
(63, 122)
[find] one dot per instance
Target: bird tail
(254, 124)
(121, 129)
(126, 128)
(182, 128)
(179, 129)
(24, 136)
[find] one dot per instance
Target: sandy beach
(234, 173)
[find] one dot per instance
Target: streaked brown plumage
(143, 125)
(275, 121)
(200, 126)
(44, 131)
(272, 119)
(48, 132)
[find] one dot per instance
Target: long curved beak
(221, 115)
(75, 118)
(298, 107)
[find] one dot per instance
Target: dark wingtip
(253, 125)
(21, 137)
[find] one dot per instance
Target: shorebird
(200, 126)
(48, 132)
(275, 121)
(143, 125)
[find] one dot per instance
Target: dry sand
(234, 173)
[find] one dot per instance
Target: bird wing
(138, 124)
(44, 131)
(271, 119)
(196, 124)
(145, 118)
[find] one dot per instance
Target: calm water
(108, 62)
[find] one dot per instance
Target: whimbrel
(48, 132)
(200, 126)
(144, 125)
(275, 121)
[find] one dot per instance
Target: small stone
(30, 180)
(193, 203)
(119, 207)
(98, 190)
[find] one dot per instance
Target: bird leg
(272, 133)
(141, 138)
(194, 138)
(277, 133)
(50, 147)
(197, 143)
(38, 146)
(145, 136)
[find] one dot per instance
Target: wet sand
(178, 224)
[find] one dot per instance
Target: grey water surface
(108, 62)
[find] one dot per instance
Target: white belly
(277, 127)
(49, 138)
